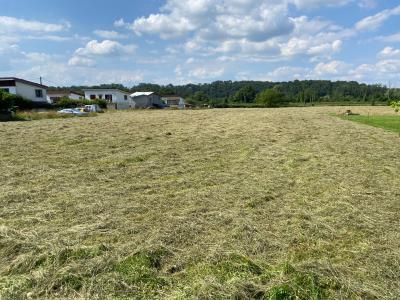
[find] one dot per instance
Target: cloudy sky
(181, 41)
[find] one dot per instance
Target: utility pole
(41, 80)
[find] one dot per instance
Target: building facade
(55, 96)
(174, 101)
(115, 98)
(147, 100)
(29, 90)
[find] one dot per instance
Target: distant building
(29, 90)
(147, 100)
(115, 98)
(55, 96)
(174, 101)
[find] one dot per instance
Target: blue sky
(176, 41)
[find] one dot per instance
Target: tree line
(266, 93)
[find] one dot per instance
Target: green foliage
(7, 101)
(246, 94)
(395, 105)
(270, 98)
(304, 92)
(200, 97)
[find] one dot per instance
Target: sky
(71, 42)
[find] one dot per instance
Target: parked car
(72, 111)
(93, 108)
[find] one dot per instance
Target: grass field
(391, 123)
(287, 203)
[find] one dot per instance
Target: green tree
(246, 94)
(200, 97)
(270, 98)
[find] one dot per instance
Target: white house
(55, 96)
(147, 100)
(29, 90)
(174, 101)
(115, 98)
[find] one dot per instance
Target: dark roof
(171, 96)
(23, 81)
(63, 92)
(105, 89)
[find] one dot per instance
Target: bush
(270, 98)
(10, 100)
(395, 105)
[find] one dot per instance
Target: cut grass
(210, 204)
(31, 115)
(391, 123)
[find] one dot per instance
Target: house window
(125, 97)
(108, 98)
(39, 93)
(6, 90)
(92, 97)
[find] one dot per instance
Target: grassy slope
(199, 204)
(391, 123)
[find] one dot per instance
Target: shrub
(270, 98)
(395, 105)
(10, 100)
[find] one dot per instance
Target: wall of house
(28, 92)
(117, 97)
(75, 97)
(141, 101)
(148, 101)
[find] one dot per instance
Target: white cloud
(94, 49)
(217, 19)
(286, 73)
(334, 67)
(394, 38)
(109, 34)
(367, 4)
(389, 52)
(78, 61)
(308, 4)
(105, 48)
(376, 21)
(10, 24)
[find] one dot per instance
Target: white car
(72, 111)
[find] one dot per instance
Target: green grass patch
(391, 123)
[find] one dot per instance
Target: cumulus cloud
(86, 56)
(110, 34)
(376, 21)
(78, 61)
(393, 38)
(11, 24)
(331, 68)
(216, 19)
(105, 48)
(389, 52)
(308, 4)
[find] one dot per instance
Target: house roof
(63, 93)
(138, 94)
(172, 97)
(111, 90)
(23, 81)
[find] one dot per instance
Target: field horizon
(285, 203)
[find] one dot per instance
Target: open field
(208, 204)
(391, 123)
